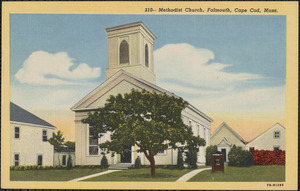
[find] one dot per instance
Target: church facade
(130, 66)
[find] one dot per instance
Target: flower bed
(263, 157)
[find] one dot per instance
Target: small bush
(69, 162)
(191, 159)
(12, 167)
(239, 157)
(137, 163)
(209, 151)
(180, 161)
(104, 162)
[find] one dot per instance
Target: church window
(124, 52)
(93, 141)
(146, 56)
(277, 134)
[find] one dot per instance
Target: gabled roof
(18, 114)
(155, 87)
(231, 130)
(277, 124)
(225, 140)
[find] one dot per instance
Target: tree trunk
(152, 164)
(150, 157)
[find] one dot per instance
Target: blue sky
(244, 55)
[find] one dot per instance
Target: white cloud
(52, 69)
(188, 64)
(192, 73)
(265, 99)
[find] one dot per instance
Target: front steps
(120, 166)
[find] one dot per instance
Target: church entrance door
(126, 156)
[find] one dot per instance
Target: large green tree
(57, 140)
(149, 120)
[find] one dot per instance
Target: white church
(130, 66)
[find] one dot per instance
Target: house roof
(231, 130)
(19, 114)
(277, 124)
(157, 88)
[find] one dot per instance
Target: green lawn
(51, 174)
(243, 174)
(143, 174)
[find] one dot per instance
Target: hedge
(264, 157)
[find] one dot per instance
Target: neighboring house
(272, 139)
(29, 135)
(225, 137)
(130, 66)
(61, 158)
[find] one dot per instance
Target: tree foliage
(104, 162)
(209, 151)
(191, 153)
(180, 164)
(149, 120)
(239, 157)
(138, 163)
(69, 162)
(57, 140)
(70, 144)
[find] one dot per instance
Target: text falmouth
(193, 10)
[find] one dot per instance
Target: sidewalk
(189, 175)
(94, 175)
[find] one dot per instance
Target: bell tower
(130, 48)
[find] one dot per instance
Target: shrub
(12, 167)
(262, 157)
(180, 161)
(39, 167)
(209, 151)
(239, 157)
(69, 162)
(191, 159)
(137, 163)
(104, 162)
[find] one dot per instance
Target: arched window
(146, 56)
(124, 52)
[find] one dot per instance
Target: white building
(272, 139)
(61, 158)
(29, 134)
(130, 66)
(225, 137)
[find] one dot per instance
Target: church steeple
(130, 48)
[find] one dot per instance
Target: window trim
(38, 160)
(18, 132)
(276, 147)
(16, 160)
(146, 56)
(124, 42)
(43, 136)
(64, 162)
(276, 137)
(88, 143)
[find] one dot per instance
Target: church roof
(18, 114)
(155, 87)
(231, 130)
